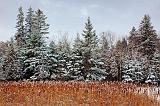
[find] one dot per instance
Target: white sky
(70, 15)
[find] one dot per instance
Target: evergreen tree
(133, 69)
(30, 27)
(156, 65)
(75, 71)
(11, 66)
(29, 52)
(133, 42)
(53, 62)
(105, 53)
(148, 38)
(124, 46)
(64, 50)
(77, 45)
(91, 66)
(20, 38)
(36, 50)
(20, 34)
(3, 47)
(42, 70)
(41, 25)
(147, 44)
(154, 69)
(132, 39)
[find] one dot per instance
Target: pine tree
(30, 27)
(20, 38)
(154, 69)
(156, 61)
(64, 51)
(29, 53)
(148, 38)
(11, 66)
(133, 69)
(53, 62)
(75, 71)
(20, 34)
(105, 52)
(91, 65)
(41, 25)
(3, 46)
(42, 70)
(77, 46)
(36, 50)
(132, 39)
(147, 44)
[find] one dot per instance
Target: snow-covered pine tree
(131, 38)
(36, 50)
(154, 69)
(104, 43)
(3, 49)
(64, 64)
(113, 68)
(20, 38)
(105, 52)
(30, 30)
(20, 34)
(53, 62)
(156, 65)
(41, 25)
(147, 47)
(91, 66)
(75, 71)
(148, 38)
(3, 46)
(133, 70)
(11, 66)
(52, 47)
(77, 45)
(42, 69)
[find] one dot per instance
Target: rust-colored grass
(75, 94)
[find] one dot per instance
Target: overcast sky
(70, 15)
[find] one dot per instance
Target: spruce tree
(91, 66)
(41, 25)
(131, 39)
(106, 54)
(75, 71)
(154, 69)
(64, 51)
(36, 50)
(133, 69)
(20, 38)
(148, 38)
(20, 34)
(11, 66)
(52, 61)
(147, 44)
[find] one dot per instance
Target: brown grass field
(77, 94)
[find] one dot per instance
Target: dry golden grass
(74, 94)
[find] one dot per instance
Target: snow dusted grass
(152, 92)
(77, 94)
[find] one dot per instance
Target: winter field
(77, 94)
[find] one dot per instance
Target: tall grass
(77, 94)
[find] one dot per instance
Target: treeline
(27, 56)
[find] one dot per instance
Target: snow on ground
(151, 92)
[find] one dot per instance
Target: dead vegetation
(76, 94)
